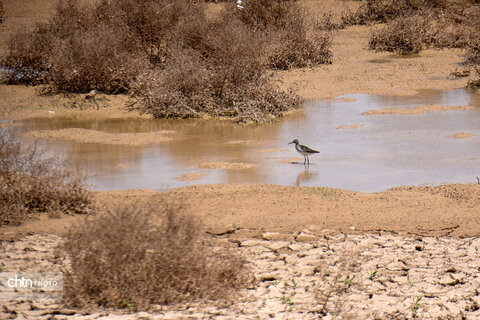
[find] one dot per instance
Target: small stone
(277, 245)
(305, 237)
(222, 230)
(277, 236)
(253, 243)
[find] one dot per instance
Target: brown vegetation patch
(474, 84)
(414, 25)
(225, 165)
(190, 176)
(94, 136)
(417, 110)
(462, 135)
(147, 253)
(350, 126)
(31, 183)
(402, 36)
(173, 58)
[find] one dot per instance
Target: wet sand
(417, 110)
(95, 136)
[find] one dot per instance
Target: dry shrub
(94, 61)
(403, 35)
(327, 22)
(272, 14)
(295, 50)
(136, 255)
(27, 59)
(101, 46)
(283, 25)
(475, 83)
(2, 12)
(473, 53)
(170, 56)
(387, 10)
(31, 183)
(218, 69)
(413, 24)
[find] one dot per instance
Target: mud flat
(417, 110)
(95, 136)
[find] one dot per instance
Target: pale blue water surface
(386, 151)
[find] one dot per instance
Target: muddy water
(370, 152)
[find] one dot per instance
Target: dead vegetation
(413, 25)
(31, 182)
(215, 65)
(2, 12)
(147, 253)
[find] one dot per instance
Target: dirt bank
(247, 211)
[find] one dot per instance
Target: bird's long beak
(291, 142)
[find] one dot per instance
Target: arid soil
(400, 245)
(309, 275)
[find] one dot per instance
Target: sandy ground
(95, 136)
(462, 135)
(417, 110)
(311, 275)
(401, 244)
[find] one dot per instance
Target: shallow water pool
(369, 153)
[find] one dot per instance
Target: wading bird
(304, 151)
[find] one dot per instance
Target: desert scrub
(2, 12)
(128, 46)
(31, 182)
(403, 35)
(473, 52)
(474, 84)
(413, 25)
(286, 36)
(221, 74)
(136, 255)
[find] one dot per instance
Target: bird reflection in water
(305, 175)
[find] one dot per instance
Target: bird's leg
(308, 160)
(304, 159)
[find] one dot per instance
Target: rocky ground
(308, 275)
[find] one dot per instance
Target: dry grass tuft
(413, 25)
(147, 253)
(31, 183)
(402, 35)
